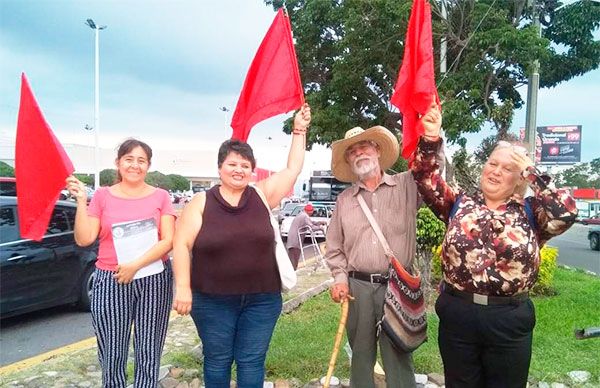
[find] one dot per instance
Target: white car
(320, 214)
(287, 209)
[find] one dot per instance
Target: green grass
(555, 349)
(303, 341)
(182, 359)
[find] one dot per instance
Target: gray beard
(366, 171)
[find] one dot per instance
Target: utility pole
(532, 89)
(443, 43)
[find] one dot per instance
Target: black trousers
(485, 346)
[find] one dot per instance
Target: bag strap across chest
(386, 247)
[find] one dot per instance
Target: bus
(324, 188)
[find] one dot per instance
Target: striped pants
(144, 302)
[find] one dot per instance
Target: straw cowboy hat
(388, 149)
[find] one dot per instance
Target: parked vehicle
(38, 275)
(287, 210)
(320, 214)
(593, 220)
(8, 186)
(594, 237)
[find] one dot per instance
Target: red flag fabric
(272, 85)
(416, 81)
(41, 167)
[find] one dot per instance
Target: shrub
(430, 230)
(436, 264)
(543, 286)
(430, 233)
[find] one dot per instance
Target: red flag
(41, 167)
(416, 80)
(272, 85)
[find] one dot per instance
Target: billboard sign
(559, 144)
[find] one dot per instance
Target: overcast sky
(167, 67)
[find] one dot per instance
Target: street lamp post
(532, 91)
(97, 29)
(534, 82)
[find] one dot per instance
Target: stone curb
(295, 302)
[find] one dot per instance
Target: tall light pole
(97, 29)
(443, 42)
(532, 89)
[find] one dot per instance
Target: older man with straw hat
(355, 255)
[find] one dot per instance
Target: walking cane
(338, 340)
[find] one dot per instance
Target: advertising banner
(559, 144)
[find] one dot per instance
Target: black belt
(485, 299)
(381, 278)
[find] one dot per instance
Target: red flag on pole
(41, 167)
(272, 85)
(416, 80)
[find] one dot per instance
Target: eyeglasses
(517, 148)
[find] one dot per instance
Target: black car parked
(37, 275)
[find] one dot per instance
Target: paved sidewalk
(79, 368)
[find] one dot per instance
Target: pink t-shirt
(111, 209)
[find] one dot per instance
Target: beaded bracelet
(299, 131)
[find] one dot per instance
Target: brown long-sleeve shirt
(351, 242)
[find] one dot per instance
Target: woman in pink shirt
(133, 283)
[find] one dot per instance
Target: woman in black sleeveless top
(230, 283)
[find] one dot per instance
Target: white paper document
(134, 238)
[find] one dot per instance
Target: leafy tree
(87, 179)
(158, 179)
(483, 152)
(584, 175)
(349, 52)
(400, 165)
(467, 170)
(6, 170)
(178, 182)
(595, 165)
(108, 177)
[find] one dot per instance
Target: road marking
(35, 360)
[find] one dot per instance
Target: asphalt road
(574, 249)
(35, 333)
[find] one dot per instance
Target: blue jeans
(235, 328)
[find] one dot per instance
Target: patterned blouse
(487, 251)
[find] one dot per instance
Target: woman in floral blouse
(490, 259)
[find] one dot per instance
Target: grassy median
(303, 340)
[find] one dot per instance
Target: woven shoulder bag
(404, 317)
